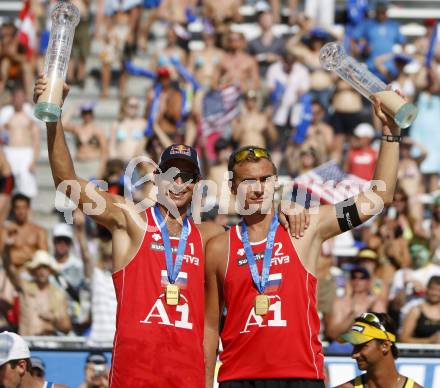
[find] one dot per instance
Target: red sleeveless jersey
(157, 345)
(283, 343)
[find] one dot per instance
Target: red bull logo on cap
(180, 149)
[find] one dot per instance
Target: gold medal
(172, 294)
(262, 304)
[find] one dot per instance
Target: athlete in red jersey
(270, 334)
(156, 344)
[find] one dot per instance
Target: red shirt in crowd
(361, 162)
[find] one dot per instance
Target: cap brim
(180, 156)
(354, 338)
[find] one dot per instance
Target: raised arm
(63, 170)
(334, 219)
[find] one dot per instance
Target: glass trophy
(65, 18)
(333, 57)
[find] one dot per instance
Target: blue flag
(306, 118)
(432, 46)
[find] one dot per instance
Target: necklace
(397, 382)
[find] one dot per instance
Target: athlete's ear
(386, 347)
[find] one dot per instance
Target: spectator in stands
(21, 236)
(112, 52)
(174, 11)
(320, 135)
(163, 56)
(267, 48)
(91, 143)
(301, 160)
(237, 66)
(6, 186)
(392, 67)
(221, 14)
(16, 364)
(99, 274)
(321, 81)
(428, 104)
(205, 64)
(96, 371)
(21, 136)
(347, 114)
(38, 369)
(422, 324)
(69, 266)
(127, 133)
(374, 37)
(409, 176)
(81, 45)
(43, 306)
(253, 127)
(287, 80)
(359, 297)
(15, 65)
(434, 227)
(361, 158)
(322, 12)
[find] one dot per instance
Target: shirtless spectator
(238, 67)
(43, 306)
(81, 45)
(22, 138)
(267, 48)
(169, 114)
(14, 63)
(358, 298)
(174, 11)
(91, 143)
(222, 13)
(22, 236)
(347, 108)
(253, 127)
(320, 135)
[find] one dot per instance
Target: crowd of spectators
(216, 87)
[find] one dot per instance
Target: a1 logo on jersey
(158, 314)
(272, 319)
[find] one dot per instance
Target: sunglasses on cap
(259, 153)
(372, 318)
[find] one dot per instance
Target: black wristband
(347, 215)
(392, 138)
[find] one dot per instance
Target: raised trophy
(65, 18)
(333, 57)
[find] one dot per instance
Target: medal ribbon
(173, 269)
(260, 281)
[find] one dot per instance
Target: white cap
(364, 130)
(62, 230)
(42, 258)
(12, 347)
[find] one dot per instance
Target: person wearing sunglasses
(373, 336)
(266, 280)
(158, 268)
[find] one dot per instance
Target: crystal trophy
(333, 57)
(65, 18)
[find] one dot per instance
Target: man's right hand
(40, 86)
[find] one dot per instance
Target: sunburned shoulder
(60, 386)
(219, 243)
(209, 230)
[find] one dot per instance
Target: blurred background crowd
(218, 75)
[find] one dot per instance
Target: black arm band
(347, 215)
